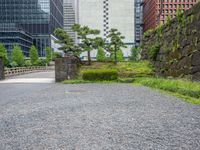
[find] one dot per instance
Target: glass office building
(37, 18)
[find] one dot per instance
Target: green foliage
(18, 56)
(191, 18)
(159, 32)
(33, 54)
(100, 75)
(3, 54)
(115, 45)
(169, 21)
(135, 54)
(41, 62)
(87, 37)
(120, 56)
(181, 17)
(190, 91)
(101, 55)
(126, 80)
(56, 55)
(153, 51)
(48, 54)
(176, 45)
(67, 43)
(14, 64)
(77, 81)
(28, 63)
(125, 69)
(148, 32)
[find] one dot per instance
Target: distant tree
(86, 35)
(33, 55)
(116, 43)
(3, 54)
(48, 51)
(101, 55)
(18, 56)
(135, 54)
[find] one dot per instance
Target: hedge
(100, 75)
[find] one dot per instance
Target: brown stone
(196, 76)
(196, 58)
(66, 68)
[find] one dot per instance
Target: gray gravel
(95, 117)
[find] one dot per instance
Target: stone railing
(25, 70)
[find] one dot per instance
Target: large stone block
(1, 69)
(196, 58)
(66, 68)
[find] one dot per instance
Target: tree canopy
(116, 43)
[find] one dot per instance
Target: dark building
(138, 21)
(34, 18)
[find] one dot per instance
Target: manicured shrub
(100, 75)
(33, 54)
(18, 56)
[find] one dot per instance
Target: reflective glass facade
(36, 17)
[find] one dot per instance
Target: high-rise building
(156, 11)
(70, 16)
(138, 21)
(27, 22)
(106, 14)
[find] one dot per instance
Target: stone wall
(179, 46)
(66, 68)
(1, 69)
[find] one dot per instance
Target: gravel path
(95, 117)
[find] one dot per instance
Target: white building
(106, 14)
(70, 14)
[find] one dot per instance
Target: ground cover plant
(185, 89)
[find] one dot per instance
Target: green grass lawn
(185, 89)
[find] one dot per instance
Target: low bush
(100, 75)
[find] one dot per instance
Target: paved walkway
(38, 77)
(95, 117)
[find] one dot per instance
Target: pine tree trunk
(115, 55)
(89, 58)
